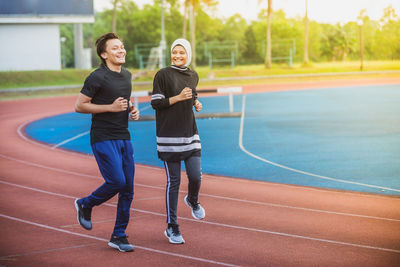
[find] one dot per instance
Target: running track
(248, 223)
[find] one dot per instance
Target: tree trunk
(185, 11)
(193, 29)
(268, 61)
(114, 18)
(306, 61)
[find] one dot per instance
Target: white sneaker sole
(117, 247)
(172, 241)
(77, 210)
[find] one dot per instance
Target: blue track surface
(341, 138)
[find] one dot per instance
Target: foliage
(339, 42)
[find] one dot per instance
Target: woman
(174, 95)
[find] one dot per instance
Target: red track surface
(248, 223)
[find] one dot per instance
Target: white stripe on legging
(168, 186)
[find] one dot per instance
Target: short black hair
(101, 44)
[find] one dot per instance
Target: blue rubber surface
(344, 138)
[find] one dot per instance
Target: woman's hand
(186, 94)
(197, 105)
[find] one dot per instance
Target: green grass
(77, 77)
(17, 79)
(283, 69)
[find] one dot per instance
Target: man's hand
(134, 113)
(197, 105)
(119, 104)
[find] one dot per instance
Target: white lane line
(301, 208)
(145, 107)
(220, 224)
(208, 195)
(105, 240)
(23, 125)
(23, 136)
(70, 139)
(296, 170)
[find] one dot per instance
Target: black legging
(173, 171)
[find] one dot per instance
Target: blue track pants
(116, 163)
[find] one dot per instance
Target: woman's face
(179, 56)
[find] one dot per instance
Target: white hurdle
(137, 94)
(230, 91)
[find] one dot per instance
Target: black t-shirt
(104, 86)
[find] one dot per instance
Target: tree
(250, 54)
(194, 5)
(185, 11)
(114, 19)
(389, 34)
(67, 31)
(268, 59)
(306, 35)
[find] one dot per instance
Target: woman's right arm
(158, 99)
(185, 94)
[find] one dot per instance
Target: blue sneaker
(120, 243)
(198, 211)
(173, 234)
(84, 215)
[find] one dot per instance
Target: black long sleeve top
(176, 129)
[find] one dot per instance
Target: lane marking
(66, 140)
(219, 224)
(301, 208)
(70, 139)
(145, 106)
(80, 154)
(106, 240)
(21, 134)
(296, 170)
(202, 194)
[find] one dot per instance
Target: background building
(30, 36)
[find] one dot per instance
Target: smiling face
(115, 53)
(179, 56)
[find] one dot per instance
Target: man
(105, 94)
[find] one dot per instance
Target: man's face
(179, 56)
(115, 52)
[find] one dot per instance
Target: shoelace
(87, 213)
(120, 239)
(124, 240)
(195, 206)
(175, 230)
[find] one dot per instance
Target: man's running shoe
(120, 243)
(84, 215)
